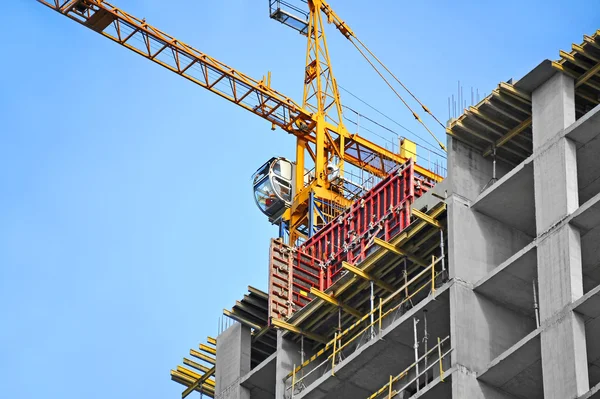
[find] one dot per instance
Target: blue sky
(128, 222)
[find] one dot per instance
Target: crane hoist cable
(349, 34)
(416, 116)
(424, 144)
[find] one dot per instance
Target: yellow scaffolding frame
(355, 332)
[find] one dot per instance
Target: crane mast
(317, 123)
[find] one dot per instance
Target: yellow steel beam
(514, 92)
(480, 115)
(290, 327)
(195, 376)
(375, 257)
(241, 319)
(185, 379)
(207, 349)
(470, 131)
(258, 292)
(195, 365)
(583, 79)
(211, 340)
(400, 252)
(202, 356)
(504, 139)
(505, 99)
(591, 41)
(585, 53)
(367, 276)
(259, 333)
(580, 79)
(336, 302)
(425, 217)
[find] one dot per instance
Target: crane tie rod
(349, 34)
(417, 117)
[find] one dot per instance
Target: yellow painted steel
(334, 301)
(366, 276)
(318, 121)
(186, 380)
(195, 365)
(426, 217)
(202, 356)
(355, 331)
(408, 149)
(207, 349)
(290, 327)
(400, 252)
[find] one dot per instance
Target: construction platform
(491, 289)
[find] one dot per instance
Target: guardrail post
(293, 381)
(433, 274)
(380, 314)
(440, 355)
(333, 354)
(390, 390)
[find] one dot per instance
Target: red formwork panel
(383, 212)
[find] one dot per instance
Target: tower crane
(292, 196)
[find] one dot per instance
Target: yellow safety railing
(403, 377)
(342, 340)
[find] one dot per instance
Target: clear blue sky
(127, 218)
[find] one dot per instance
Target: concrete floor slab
(585, 128)
(587, 216)
(437, 389)
(518, 370)
(261, 379)
(368, 368)
(593, 393)
(588, 169)
(511, 283)
(589, 307)
(511, 199)
(589, 304)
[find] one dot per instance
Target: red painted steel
(383, 212)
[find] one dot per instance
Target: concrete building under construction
(412, 281)
(489, 288)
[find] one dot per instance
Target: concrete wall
(233, 362)
(563, 343)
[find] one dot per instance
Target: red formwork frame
(383, 212)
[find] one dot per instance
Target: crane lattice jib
(254, 95)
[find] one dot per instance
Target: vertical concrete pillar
(233, 362)
(564, 359)
(480, 329)
(288, 355)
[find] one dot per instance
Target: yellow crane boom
(252, 94)
(310, 122)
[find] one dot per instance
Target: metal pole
(442, 252)
(536, 308)
(494, 165)
(372, 310)
(415, 322)
(293, 380)
(425, 338)
(302, 349)
(440, 356)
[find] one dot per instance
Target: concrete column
(564, 358)
(480, 329)
(233, 362)
(288, 355)
(553, 106)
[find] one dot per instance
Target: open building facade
(490, 290)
